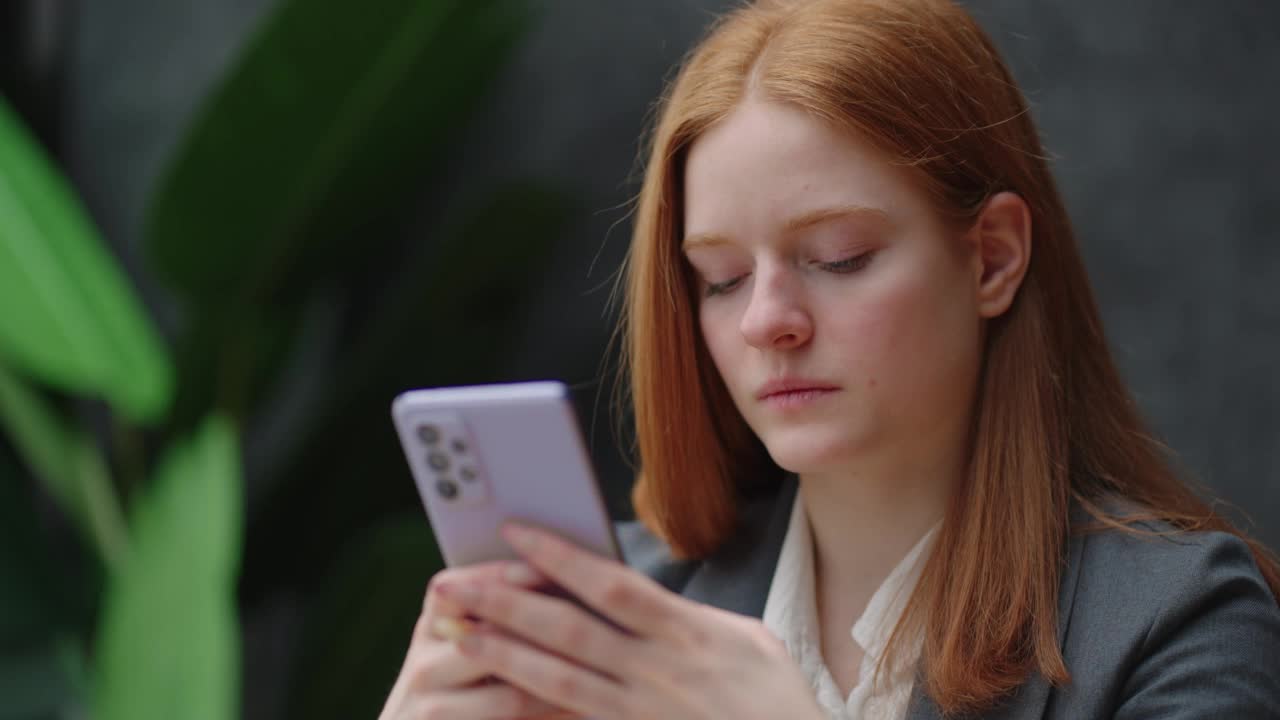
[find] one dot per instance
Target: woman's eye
(848, 265)
(721, 288)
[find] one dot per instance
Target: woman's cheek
(906, 342)
(722, 333)
(884, 331)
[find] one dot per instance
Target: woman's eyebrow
(821, 215)
(799, 222)
(703, 240)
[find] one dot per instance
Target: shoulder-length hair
(1052, 420)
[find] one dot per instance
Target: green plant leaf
(471, 289)
(227, 360)
(358, 628)
(69, 318)
(68, 463)
(168, 644)
(328, 113)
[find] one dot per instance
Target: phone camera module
(429, 434)
(459, 446)
(438, 461)
(467, 474)
(447, 488)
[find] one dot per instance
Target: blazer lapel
(1029, 700)
(737, 577)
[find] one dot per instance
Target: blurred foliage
(313, 136)
(69, 463)
(79, 327)
(42, 610)
(443, 325)
(168, 644)
(344, 667)
(121, 462)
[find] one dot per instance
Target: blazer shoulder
(648, 553)
(1155, 560)
(1171, 619)
(1152, 561)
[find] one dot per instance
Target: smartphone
(485, 454)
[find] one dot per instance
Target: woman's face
(840, 311)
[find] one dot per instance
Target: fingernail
(447, 628)
(518, 573)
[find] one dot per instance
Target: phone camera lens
(459, 446)
(438, 461)
(447, 488)
(467, 474)
(429, 434)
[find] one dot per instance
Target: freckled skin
(900, 336)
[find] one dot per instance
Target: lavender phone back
(483, 454)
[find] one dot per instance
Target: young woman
(888, 467)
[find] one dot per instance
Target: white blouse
(790, 612)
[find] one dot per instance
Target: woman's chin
(810, 453)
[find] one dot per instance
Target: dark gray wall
(1161, 116)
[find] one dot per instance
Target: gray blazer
(1150, 627)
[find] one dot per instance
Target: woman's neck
(864, 523)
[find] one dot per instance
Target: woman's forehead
(776, 164)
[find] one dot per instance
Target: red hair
(1052, 421)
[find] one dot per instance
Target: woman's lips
(793, 399)
(791, 394)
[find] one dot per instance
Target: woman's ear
(1001, 240)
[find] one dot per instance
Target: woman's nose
(776, 318)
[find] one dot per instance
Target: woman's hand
(676, 659)
(437, 682)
